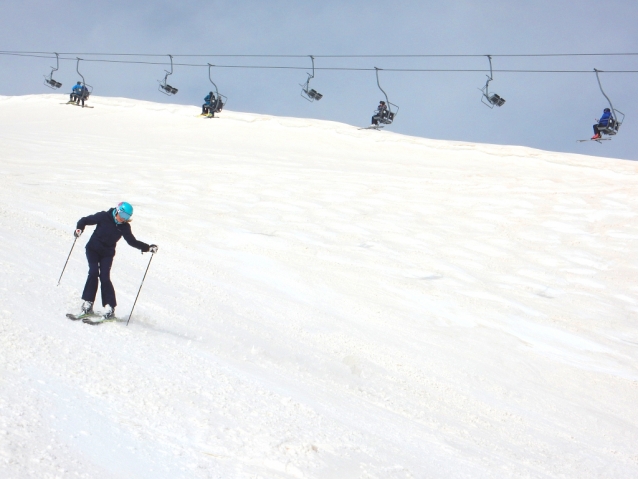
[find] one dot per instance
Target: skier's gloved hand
(153, 248)
(77, 233)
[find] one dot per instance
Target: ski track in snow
(326, 302)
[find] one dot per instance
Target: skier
(606, 121)
(381, 109)
(208, 108)
(100, 250)
(75, 93)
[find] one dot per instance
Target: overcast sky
(542, 110)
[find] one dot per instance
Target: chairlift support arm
(57, 62)
(490, 77)
(613, 110)
(306, 87)
(211, 80)
(387, 101)
(167, 72)
(77, 68)
(313, 69)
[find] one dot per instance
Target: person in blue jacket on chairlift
(75, 93)
(606, 121)
(207, 107)
(79, 93)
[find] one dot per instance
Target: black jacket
(107, 233)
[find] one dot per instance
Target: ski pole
(67, 260)
(138, 292)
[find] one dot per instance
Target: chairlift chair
(220, 100)
(308, 93)
(88, 89)
(614, 124)
(490, 99)
(164, 87)
(385, 117)
(50, 82)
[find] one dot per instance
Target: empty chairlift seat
(312, 93)
(52, 83)
(495, 99)
(308, 93)
(165, 87)
(169, 89)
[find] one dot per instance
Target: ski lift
(83, 93)
(89, 88)
(490, 100)
(50, 82)
(386, 117)
(614, 124)
(164, 87)
(308, 93)
(220, 100)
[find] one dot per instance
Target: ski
(77, 317)
(75, 104)
(371, 127)
(93, 318)
(100, 321)
(597, 139)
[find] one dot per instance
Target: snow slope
(326, 302)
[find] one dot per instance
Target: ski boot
(109, 314)
(87, 308)
(85, 313)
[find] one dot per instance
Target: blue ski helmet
(125, 210)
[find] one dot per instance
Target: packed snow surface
(326, 302)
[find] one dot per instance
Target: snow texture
(326, 302)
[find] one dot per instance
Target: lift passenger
(75, 92)
(208, 107)
(381, 109)
(606, 121)
(84, 94)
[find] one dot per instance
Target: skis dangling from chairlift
(599, 140)
(75, 104)
(164, 87)
(50, 82)
(308, 93)
(488, 99)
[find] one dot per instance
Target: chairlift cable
(284, 67)
(336, 56)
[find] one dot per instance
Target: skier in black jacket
(100, 250)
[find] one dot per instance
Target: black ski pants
(99, 272)
(77, 99)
